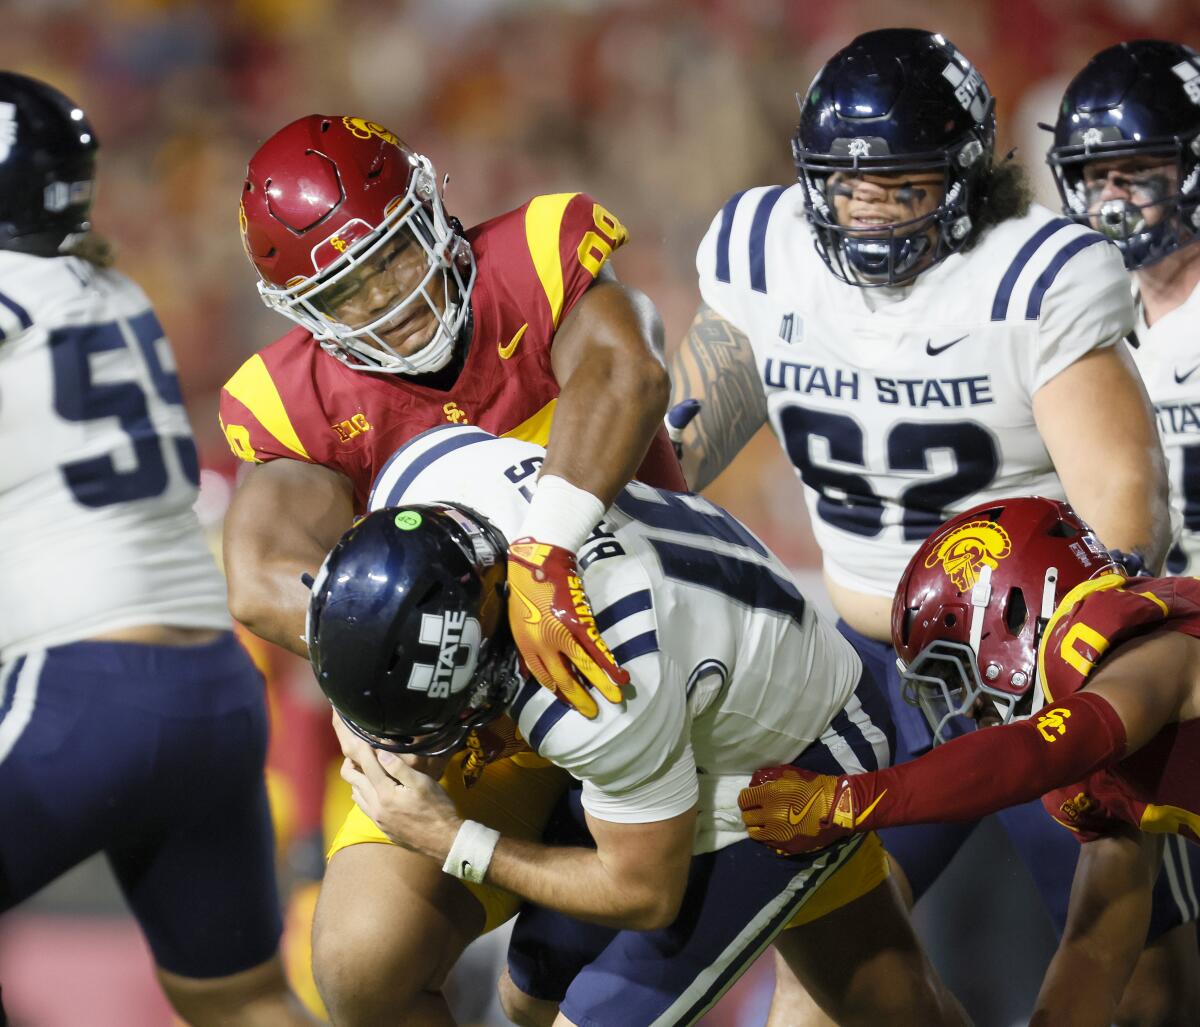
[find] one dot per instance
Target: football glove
(1132, 564)
(794, 810)
(554, 629)
(679, 417)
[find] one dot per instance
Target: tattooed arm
(715, 365)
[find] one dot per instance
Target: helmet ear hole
(1062, 529)
(1015, 611)
(950, 620)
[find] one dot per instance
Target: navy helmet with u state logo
(895, 101)
(408, 630)
(1136, 99)
(47, 166)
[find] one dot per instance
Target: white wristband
(471, 854)
(561, 514)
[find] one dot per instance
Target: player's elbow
(247, 606)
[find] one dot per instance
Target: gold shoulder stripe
(1154, 599)
(251, 385)
(536, 428)
(543, 227)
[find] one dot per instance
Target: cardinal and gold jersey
(1168, 357)
(295, 401)
(99, 472)
(731, 668)
(1157, 788)
(902, 406)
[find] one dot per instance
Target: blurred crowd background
(659, 108)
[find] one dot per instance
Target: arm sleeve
(990, 769)
(1082, 301)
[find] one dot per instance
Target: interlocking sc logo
(1053, 723)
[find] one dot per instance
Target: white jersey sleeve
(100, 472)
(1085, 307)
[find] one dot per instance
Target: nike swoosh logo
(867, 812)
(794, 818)
(1181, 378)
(514, 342)
(464, 867)
(933, 350)
(532, 614)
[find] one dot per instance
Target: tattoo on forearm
(715, 364)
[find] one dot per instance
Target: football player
(404, 321)
(652, 900)
(1015, 614)
(920, 338)
(132, 722)
(1126, 158)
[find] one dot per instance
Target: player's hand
(554, 629)
(793, 810)
(408, 806)
(679, 417)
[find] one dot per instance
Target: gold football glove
(553, 626)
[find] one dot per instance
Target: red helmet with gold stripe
(973, 601)
(346, 228)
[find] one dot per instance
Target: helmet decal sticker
(457, 637)
(8, 129)
(364, 129)
(967, 549)
(407, 520)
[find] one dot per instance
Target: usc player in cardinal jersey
(405, 322)
(1013, 613)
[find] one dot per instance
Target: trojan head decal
(364, 129)
(968, 548)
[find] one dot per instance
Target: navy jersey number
(846, 499)
(737, 570)
(96, 481)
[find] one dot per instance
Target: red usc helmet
(973, 601)
(330, 198)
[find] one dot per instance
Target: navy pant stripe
(806, 887)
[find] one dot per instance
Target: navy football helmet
(47, 166)
(408, 628)
(894, 101)
(1135, 99)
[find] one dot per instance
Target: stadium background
(659, 109)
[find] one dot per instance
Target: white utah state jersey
(902, 406)
(99, 472)
(1168, 357)
(730, 669)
